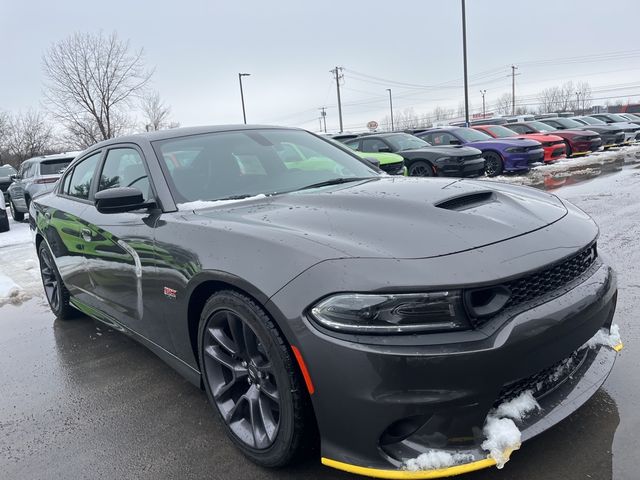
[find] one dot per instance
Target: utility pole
(337, 73)
(391, 108)
(578, 101)
(513, 89)
(323, 117)
(464, 59)
(244, 115)
(483, 93)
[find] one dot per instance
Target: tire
(568, 152)
(420, 169)
(54, 289)
(251, 380)
(15, 214)
(4, 224)
(493, 164)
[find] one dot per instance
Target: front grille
(531, 147)
(533, 286)
(393, 168)
(546, 380)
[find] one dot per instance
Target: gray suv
(36, 176)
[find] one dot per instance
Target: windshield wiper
(335, 181)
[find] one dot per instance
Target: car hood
(389, 217)
(503, 143)
(572, 132)
(540, 137)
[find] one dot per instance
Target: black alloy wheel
(251, 379)
(568, 152)
(420, 169)
(493, 164)
(54, 289)
(15, 214)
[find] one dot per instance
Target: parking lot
(83, 401)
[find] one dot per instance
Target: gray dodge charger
(386, 324)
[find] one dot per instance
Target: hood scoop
(470, 200)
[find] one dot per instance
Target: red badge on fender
(170, 292)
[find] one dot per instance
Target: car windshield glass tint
(6, 170)
(543, 127)
(568, 123)
(617, 118)
(405, 141)
(592, 121)
(223, 165)
(502, 132)
(53, 167)
(471, 135)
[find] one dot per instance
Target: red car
(577, 142)
(553, 146)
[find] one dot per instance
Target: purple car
(500, 154)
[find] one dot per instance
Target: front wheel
(55, 291)
(493, 164)
(420, 169)
(569, 152)
(15, 214)
(252, 381)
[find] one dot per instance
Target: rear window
(54, 167)
(6, 170)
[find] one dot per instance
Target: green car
(391, 163)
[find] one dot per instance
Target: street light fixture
(391, 108)
(244, 115)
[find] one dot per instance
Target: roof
(54, 156)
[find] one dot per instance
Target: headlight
(515, 150)
(392, 313)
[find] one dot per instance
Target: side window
(82, 177)
(517, 128)
(124, 167)
(427, 137)
(442, 139)
(24, 170)
(373, 145)
(353, 143)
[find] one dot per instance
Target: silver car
(36, 176)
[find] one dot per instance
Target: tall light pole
(513, 89)
(464, 58)
(338, 74)
(391, 108)
(244, 115)
(483, 93)
(578, 101)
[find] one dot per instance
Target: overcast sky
(198, 48)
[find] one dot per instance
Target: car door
(61, 223)
(374, 145)
(16, 189)
(119, 250)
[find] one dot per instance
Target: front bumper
(381, 402)
(460, 166)
(554, 152)
(584, 147)
(514, 162)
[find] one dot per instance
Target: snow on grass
(502, 436)
(436, 459)
(609, 338)
(200, 204)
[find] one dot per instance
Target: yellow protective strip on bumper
(406, 474)
(579, 153)
(618, 347)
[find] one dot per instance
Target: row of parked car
(493, 146)
(35, 176)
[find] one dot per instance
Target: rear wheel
(55, 291)
(251, 380)
(420, 169)
(493, 164)
(15, 214)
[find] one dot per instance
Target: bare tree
(441, 113)
(504, 104)
(583, 89)
(155, 111)
(549, 99)
(91, 81)
(29, 135)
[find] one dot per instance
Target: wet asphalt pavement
(79, 400)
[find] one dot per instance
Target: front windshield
(568, 123)
(591, 121)
(501, 132)
(471, 135)
(404, 141)
(7, 170)
(617, 118)
(243, 163)
(541, 127)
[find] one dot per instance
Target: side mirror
(373, 161)
(384, 150)
(455, 141)
(119, 200)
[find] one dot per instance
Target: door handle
(47, 215)
(86, 234)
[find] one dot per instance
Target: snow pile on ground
(501, 433)
(200, 204)
(609, 338)
(10, 292)
(19, 234)
(436, 459)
